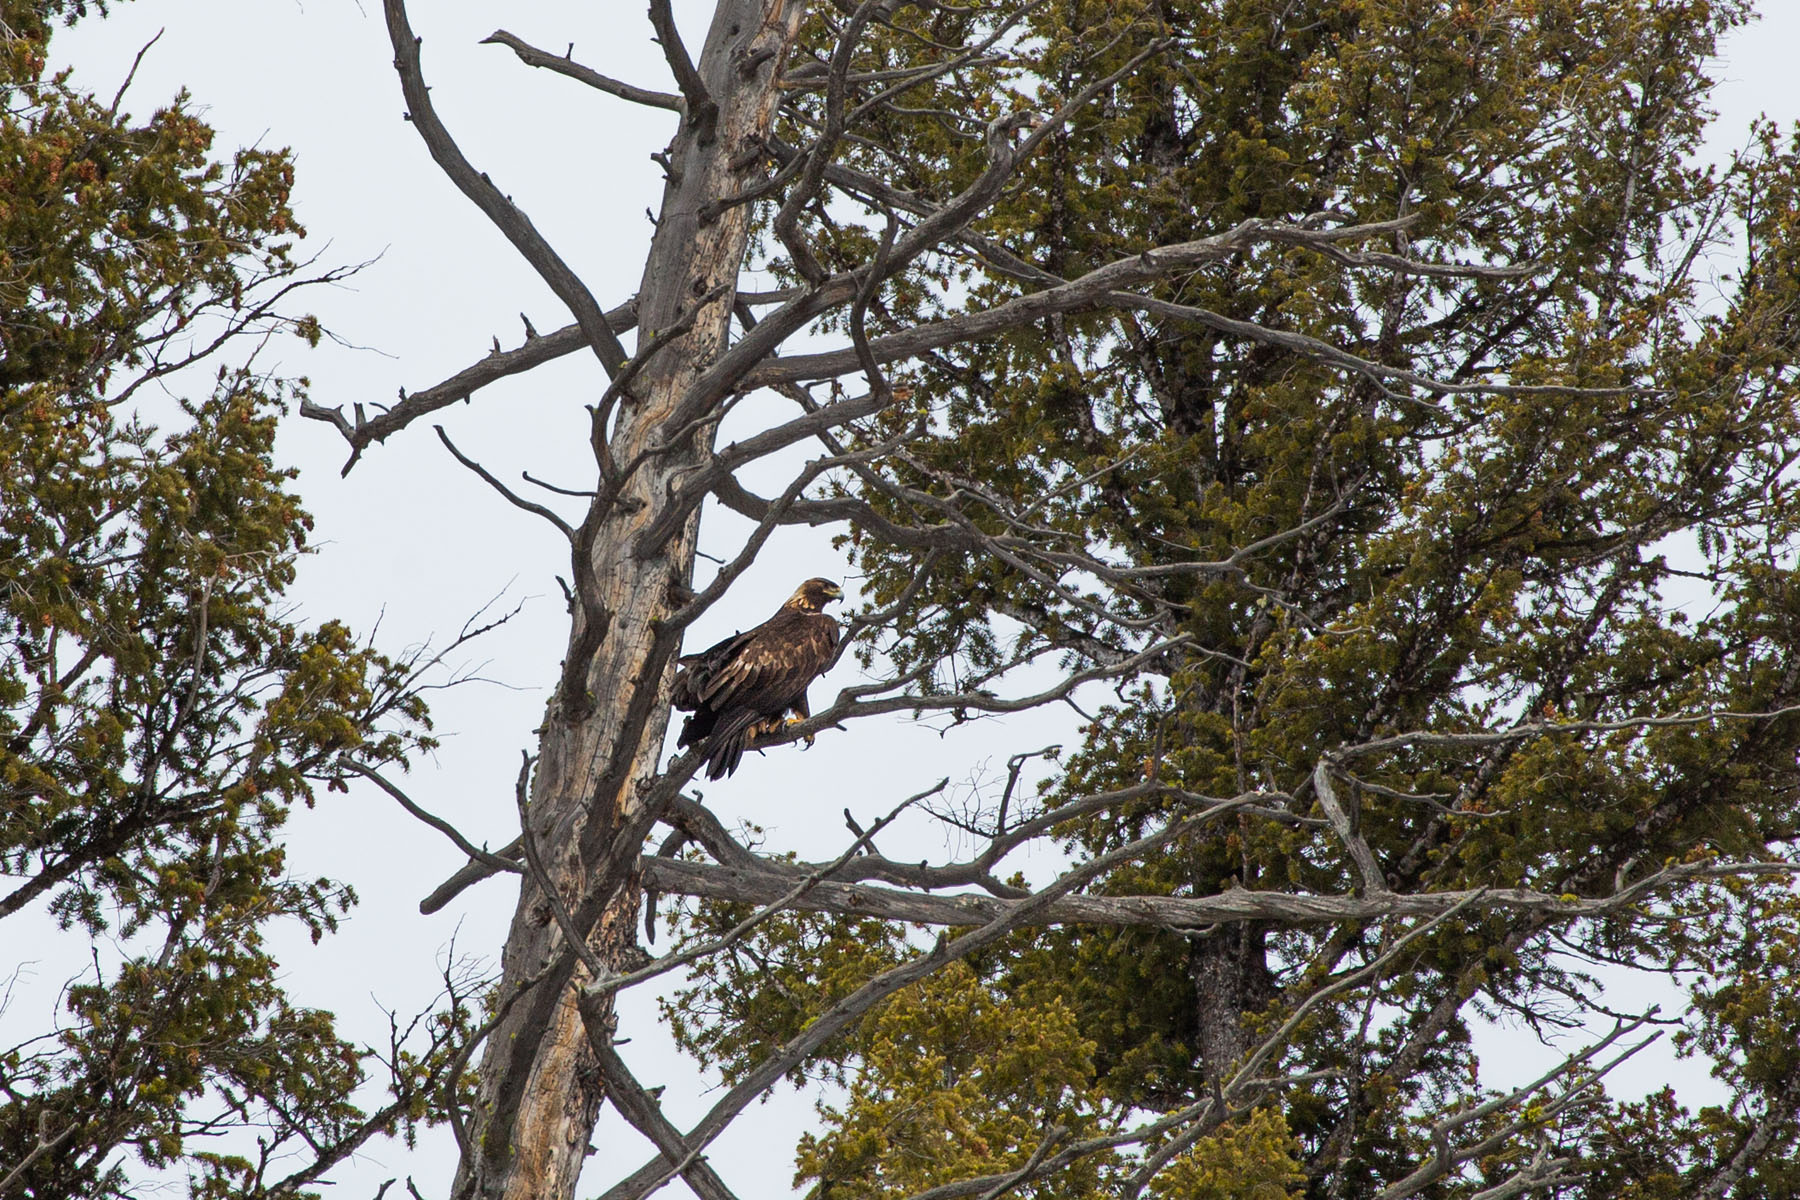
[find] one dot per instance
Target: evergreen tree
(1452, 626)
(161, 709)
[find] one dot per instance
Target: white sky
(411, 540)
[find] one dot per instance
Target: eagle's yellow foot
(807, 738)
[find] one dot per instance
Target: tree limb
(531, 56)
(742, 885)
(506, 216)
(535, 351)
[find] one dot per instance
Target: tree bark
(540, 1091)
(1232, 981)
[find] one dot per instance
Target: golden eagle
(746, 684)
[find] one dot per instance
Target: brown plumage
(747, 683)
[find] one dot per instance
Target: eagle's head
(814, 595)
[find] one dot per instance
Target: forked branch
(496, 205)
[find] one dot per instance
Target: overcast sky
(411, 541)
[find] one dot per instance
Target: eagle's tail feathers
(725, 748)
(726, 756)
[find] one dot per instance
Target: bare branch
(738, 932)
(505, 215)
(536, 350)
(1374, 882)
(851, 1009)
(786, 222)
(640, 1108)
(495, 862)
(747, 886)
(113, 108)
(1528, 730)
(765, 527)
(1245, 1078)
(1778, 1109)
(1446, 1158)
(1324, 351)
(700, 108)
(1056, 1136)
(45, 1144)
(1087, 291)
(471, 873)
(698, 486)
(512, 497)
(531, 56)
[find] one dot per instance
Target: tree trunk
(1232, 981)
(540, 1092)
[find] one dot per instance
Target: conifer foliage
(1465, 556)
(160, 709)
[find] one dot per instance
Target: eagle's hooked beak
(834, 592)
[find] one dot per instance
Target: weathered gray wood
(540, 1087)
(743, 885)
